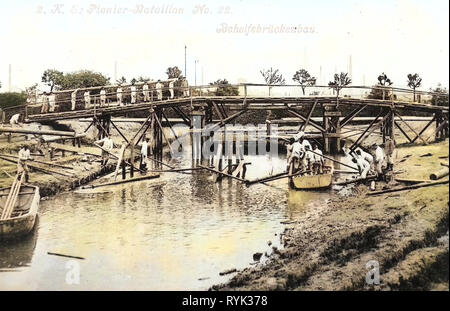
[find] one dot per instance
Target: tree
(224, 88)
(122, 80)
(53, 78)
(414, 81)
(174, 73)
(440, 98)
(303, 78)
(340, 81)
(384, 81)
(83, 79)
(272, 77)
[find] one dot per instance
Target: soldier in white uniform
(73, 99)
(158, 87)
(146, 92)
(15, 120)
(52, 102)
(133, 94)
(108, 146)
(119, 95)
(87, 100)
(102, 97)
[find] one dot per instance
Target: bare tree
(414, 81)
(303, 78)
(272, 77)
(384, 81)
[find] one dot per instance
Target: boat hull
(16, 227)
(312, 182)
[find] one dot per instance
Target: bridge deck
(266, 103)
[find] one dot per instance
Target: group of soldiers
(48, 99)
(378, 159)
(301, 156)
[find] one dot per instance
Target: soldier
(146, 92)
(102, 97)
(22, 166)
(119, 95)
(44, 99)
(133, 94)
(52, 102)
(73, 99)
(389, 151)
(158, 87)
(87, 100)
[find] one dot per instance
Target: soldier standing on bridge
(171, 83)
(146, 92)
(44, 99)
(133, 93)
(102, 97)
(87, 100)
(185, 87)
(52, 102)
(73, 99)
(158, 87)
(119, 95)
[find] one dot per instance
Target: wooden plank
(423, 130)
(121, 181)
(37, 168)
(36, 132)
(308, 118)
(219, 172)
(410, 187)
(403, 132)
(401, 119)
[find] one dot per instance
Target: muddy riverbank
(328, 249)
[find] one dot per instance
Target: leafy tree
(414, 81)
(53, 78)
(83, 79)
(272, 77)
(122, 80)
(340, 81)
(10, 99)
(441, 96)
(303, 78)
(383, 80)
(224, 88)
(174, 73)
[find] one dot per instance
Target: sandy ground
(405, 232)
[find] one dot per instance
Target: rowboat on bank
(313, 182)
(23, 216)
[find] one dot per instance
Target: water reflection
(176, 232)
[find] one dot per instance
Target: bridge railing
(63, 99)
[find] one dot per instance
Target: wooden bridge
(203, 102)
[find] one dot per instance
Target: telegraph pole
(185, 72)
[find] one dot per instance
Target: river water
(177, 232)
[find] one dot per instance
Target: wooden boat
(313, 182)
(24, 214)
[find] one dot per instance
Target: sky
(143, 38)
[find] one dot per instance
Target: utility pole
(115, 71)
(185, 72)
(195, 72)
(9, 79)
